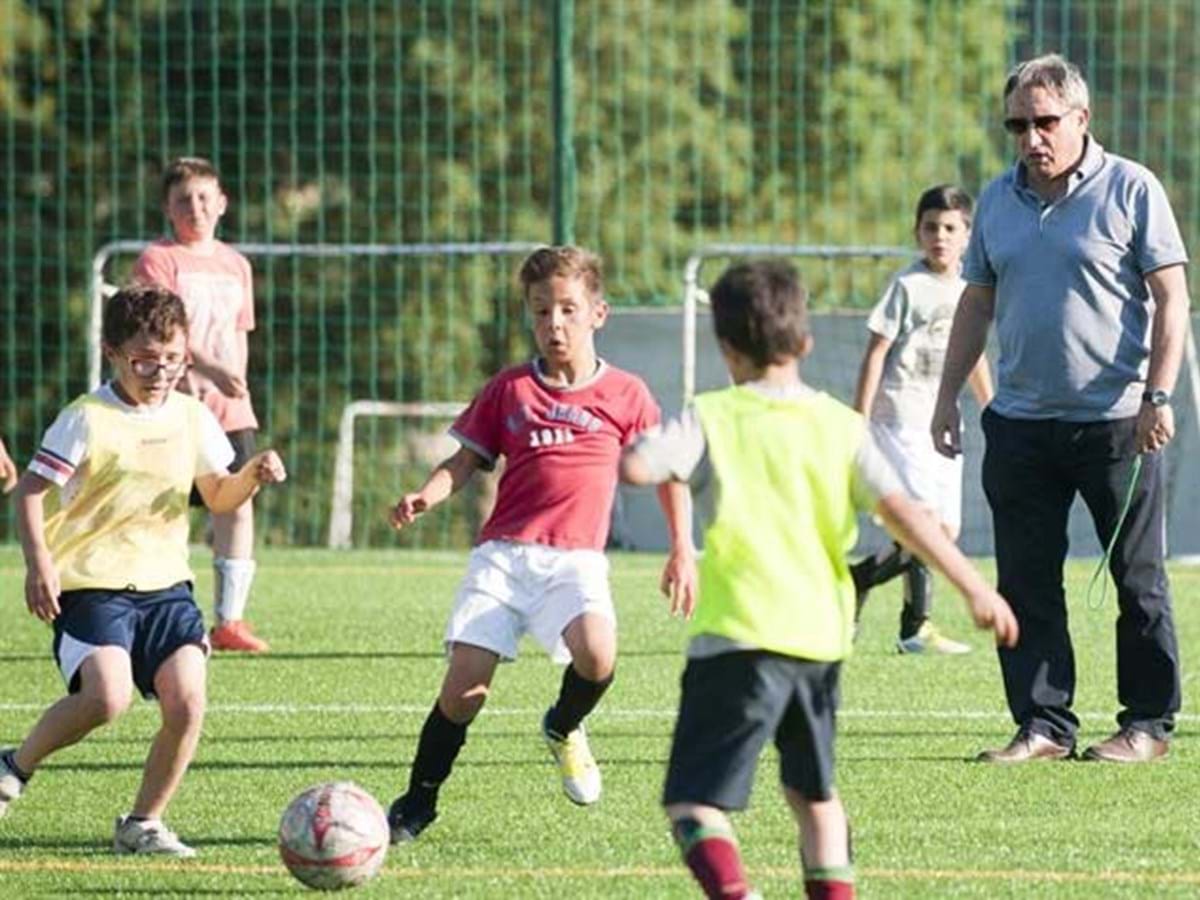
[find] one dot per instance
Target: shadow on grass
(537, 760)
(292, 656)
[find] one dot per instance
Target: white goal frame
(101, 288)
(341, 509)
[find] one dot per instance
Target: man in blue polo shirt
(1077, 257)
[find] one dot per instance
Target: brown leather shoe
(1129, 745)
(1026, 747)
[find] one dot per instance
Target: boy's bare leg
(180, 686)
(467, 682)
(824, 843)
(706, 841)
(105, 691)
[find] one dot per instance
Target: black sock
(874, 570)
(576, 699)
(437, 749)
(10, 760)
(918, 598)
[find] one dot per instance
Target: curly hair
(143, 309)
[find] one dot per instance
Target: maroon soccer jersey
(561, 447)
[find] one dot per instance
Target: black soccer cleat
(407, 823)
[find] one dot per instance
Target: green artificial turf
(356, 662)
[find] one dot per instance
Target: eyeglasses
(1044, 124)
(144, 367)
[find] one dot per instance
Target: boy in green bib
(779, 473)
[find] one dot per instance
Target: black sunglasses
(1044, 124)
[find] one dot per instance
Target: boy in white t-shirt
(897, 388)
(103, 516)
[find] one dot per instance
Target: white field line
(544, 873)
(404, 709)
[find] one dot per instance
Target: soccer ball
(333, 836)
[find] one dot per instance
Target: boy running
(897, 388)
(215, 283)
(107, 566)
(779, 472)
(538, 567)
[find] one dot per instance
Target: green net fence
(399, 122)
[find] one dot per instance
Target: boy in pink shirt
(539, 568)
(215, 283)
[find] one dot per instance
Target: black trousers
(1032, 470)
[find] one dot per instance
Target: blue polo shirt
(1072, 307)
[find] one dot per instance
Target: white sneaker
(580, 774)
(10, 785)
(150, 836)
(929, 640)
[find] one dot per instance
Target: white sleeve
(63, 447)
(216, 453)
(674, 449)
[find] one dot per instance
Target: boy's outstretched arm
(225, 492)
(41, 577)
(678, 582)
(916, 529)
(443, 481)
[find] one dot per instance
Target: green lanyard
(1133, 480)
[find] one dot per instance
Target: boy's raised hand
(268, 468)
(990, 610)
(408, 509)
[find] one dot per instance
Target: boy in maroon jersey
(538, 566)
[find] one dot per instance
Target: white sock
(231, 587)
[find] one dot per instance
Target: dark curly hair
(143, 309)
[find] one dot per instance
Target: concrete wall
(648, 342)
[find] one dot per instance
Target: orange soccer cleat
(236, 636)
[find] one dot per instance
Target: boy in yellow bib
(779, 472)
(107, 563)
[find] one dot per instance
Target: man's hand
(1155, 428)
(946, 429)
(678, 582)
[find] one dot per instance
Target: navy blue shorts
(244, 444)
(150, 625)
(731, 705)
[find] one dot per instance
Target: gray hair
(1052, 72)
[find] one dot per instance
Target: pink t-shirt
(561, 447)
(218, 291)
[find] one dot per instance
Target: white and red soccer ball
(333, 836)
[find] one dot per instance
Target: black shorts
(243, 441)
(730, 705)
(150, 625)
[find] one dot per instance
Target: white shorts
(511, 589)
(928, 477)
